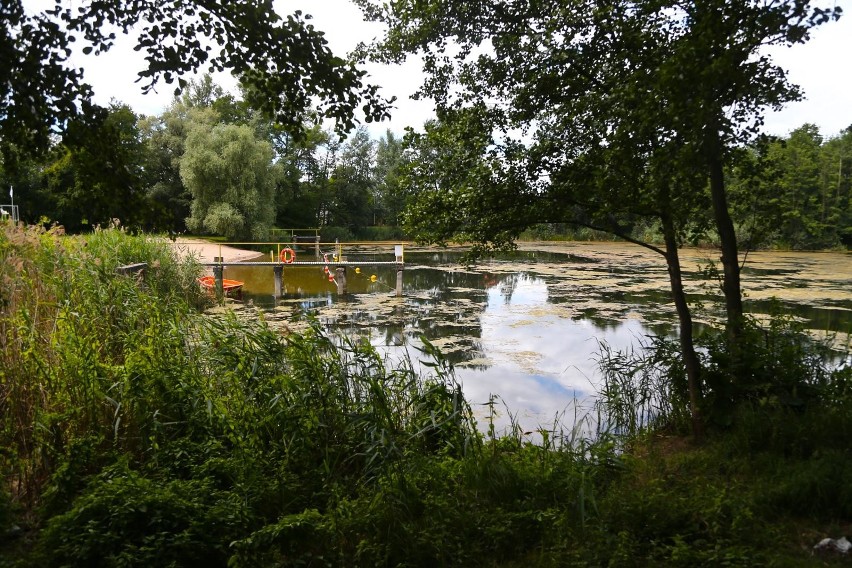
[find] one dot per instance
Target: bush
(775, 365)
(5, 512)
(70, 329)
(330, 234)
(126, 519)
(383, 233)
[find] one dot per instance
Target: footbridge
(335, 257)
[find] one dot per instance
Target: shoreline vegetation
(138, 432)
(795, 278)
(544, 234)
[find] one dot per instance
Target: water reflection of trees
(441, 282)
(457, 258)
(507, 285)
(443, 304)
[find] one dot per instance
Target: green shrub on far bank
(382, 233)
(376, 233)
(332, 234)
(563, 232)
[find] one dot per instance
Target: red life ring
(287, 255)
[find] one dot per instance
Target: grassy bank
(137, 432)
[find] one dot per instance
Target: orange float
(287, 255)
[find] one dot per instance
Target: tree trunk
(727, 238)
(690, 358)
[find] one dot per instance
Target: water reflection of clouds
(542, 364)
(526, 326)
(532, 400)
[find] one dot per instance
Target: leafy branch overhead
(595, 93)
(284, 61)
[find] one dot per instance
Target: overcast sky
(823, 67)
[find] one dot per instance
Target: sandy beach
(206, 251)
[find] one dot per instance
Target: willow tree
(231, 177)
(602, 110)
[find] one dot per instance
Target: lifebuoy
(287, 255)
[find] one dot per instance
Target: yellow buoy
(373, 278)
(357, 271)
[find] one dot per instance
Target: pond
(526, 326)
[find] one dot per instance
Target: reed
(138, 431)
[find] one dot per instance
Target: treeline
(209, 164)
(794, 192)
(786, 193)
(212, 164)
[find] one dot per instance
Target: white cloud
(821, 67)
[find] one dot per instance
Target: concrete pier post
(340, 278)
(279, 280)
(217, 275)
(399, 281)
(317, 248)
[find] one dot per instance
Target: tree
(303, 177)
(98, 172)
(793, 192)
(352, 184)
(285, 62)
(31, 196)
(391, 196)
(230, 175)
(799, 188)
(837, 183)
(602, 93)
(165, 137)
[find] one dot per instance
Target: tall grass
(66, 322)
(136, 431)
(641, 389)
(126, 413)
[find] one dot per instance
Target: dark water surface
(526, 326)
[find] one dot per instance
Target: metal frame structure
(10, 211)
